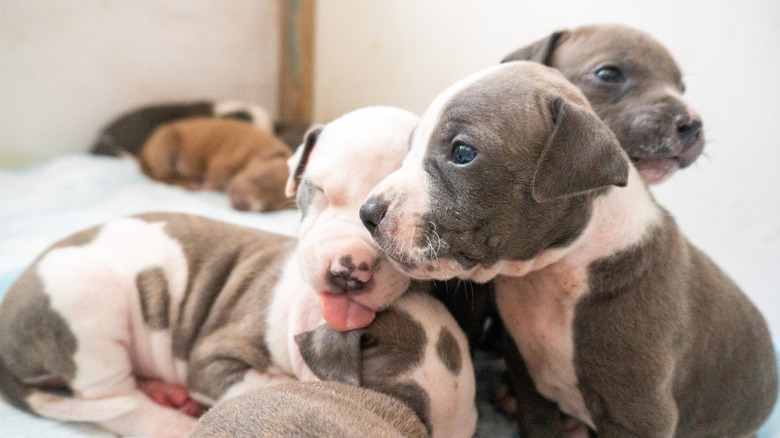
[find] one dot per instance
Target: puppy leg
(224, 164)
(259, 186)
(226, 365)
(151, 420)
(536, 416)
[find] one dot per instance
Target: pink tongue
(342, 314)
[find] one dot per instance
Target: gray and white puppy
(621, 322)
(311, 409)
(635, 87)
(223, 309)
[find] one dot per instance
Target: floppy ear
(540, 51)
(297, 163)
(581, 154)
(331, 354)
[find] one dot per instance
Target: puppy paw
(171, 395)
(504, 400)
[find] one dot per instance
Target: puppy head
(503, 166)
(260, 186)
(414, 351)
(635, 87)
(332, 173)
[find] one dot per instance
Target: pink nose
(346, 276)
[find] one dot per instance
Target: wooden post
(296, 66)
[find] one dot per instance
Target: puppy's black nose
(372, 212)
(688, 127)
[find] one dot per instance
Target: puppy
(220, 154)
(225, 309)
(621, 322)
(319, 409)
(127, 133)
(635, 87)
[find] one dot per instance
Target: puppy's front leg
(220, 369)
(537, 417)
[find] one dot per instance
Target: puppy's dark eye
(463, 153)
(609, 74)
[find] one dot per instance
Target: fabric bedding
(41, 205)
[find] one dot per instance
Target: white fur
(260, 117)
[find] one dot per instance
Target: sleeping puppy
(250, 164)
(225, 309)
(635, 87)
(127, 133)
(620, 321)
(316, 409)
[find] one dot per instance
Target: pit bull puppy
(621, 322)
(635, 87)
(319, 409)
(250, 164)
(225, 309)
(127, 133)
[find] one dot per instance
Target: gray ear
(297, 163)
(581, 154)
(540, 51)
(331, 354)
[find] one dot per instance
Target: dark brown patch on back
(154, 296)
(36, 345)
(448, 351)
(392, 345)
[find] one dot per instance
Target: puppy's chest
(538, 311)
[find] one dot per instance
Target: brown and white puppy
(223, 309)
(128, 132)
(635, 87)
(621, 322)
(221, 154)
(318, 409)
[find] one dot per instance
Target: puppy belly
(541, 327)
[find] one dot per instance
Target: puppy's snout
(689, 127)
(347, 277)
(372, 212)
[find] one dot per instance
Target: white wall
(69, 66)
(403, 52)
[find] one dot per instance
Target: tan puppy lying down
(220, 154)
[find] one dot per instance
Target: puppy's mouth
(656, 170)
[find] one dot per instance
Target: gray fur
(155, 299)
(639, 111)
(664, 343)
(36, 345)
(448, 351)
(332, 355)
(311, 410)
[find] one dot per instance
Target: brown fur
(220, 154)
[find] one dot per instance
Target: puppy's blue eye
(609, 74)
(463, 153)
